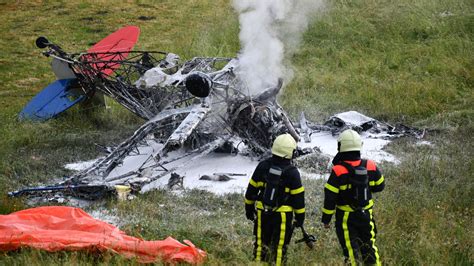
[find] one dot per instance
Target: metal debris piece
(361, 123)
(80, 191)
(350, 119)
(215, 177)
(305, 131)
(175, 182)
(230, 174)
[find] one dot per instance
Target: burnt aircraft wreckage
(191, 109)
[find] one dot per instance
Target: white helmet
(284, 146)
(349, 140)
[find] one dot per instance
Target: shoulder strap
(283, 171)
(349, 167)
(288, 168)
(266, 164)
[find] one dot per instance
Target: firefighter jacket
(338, 184)
(290, 180)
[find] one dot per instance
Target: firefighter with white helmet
(349, 140)
(348, 195)
(274, 197)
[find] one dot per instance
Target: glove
(299, 220)
(298, 223)
(250, 212)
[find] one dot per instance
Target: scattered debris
(145, 18)
(122, 192)
(361, 123)
(216, 177)
(175, 182)
(80, 191)
(192, 109)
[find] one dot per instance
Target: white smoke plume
(270, 32)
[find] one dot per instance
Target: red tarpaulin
(65, 228)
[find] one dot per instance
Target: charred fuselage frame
(198, 105)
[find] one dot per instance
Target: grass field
(398, 61)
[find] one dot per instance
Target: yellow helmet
(283, 146)
(349, 140)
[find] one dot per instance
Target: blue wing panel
(51, 101)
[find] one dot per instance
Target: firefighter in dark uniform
(273, 216)
(355, 225)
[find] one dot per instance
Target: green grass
(401, 61)
(398, 61)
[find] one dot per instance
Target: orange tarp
(65, 228)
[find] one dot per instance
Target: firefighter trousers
(356, 232)
(272, 231)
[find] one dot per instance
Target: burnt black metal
(124, 68)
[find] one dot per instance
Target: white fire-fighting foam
(241, 166)
(80, 165)
(270, 32)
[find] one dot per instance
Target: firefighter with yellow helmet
(348, 195)
(274, 197)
